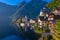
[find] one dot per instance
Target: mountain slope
(31, 9)
(53, 4)
(19, 5)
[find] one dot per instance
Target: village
(44, 21)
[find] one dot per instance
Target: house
(56, 12)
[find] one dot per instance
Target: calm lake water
(9, 32)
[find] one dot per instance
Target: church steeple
(41, 13)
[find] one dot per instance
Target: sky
(15, 2)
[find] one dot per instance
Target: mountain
(5, 12)
(19, 5)
(31, 9)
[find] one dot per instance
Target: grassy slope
(57, 28)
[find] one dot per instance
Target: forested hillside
(53, 4)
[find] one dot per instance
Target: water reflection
(11, 37)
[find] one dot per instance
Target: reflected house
(18, 22)
(21, 22)
(32, 22)
(25, 20)
(22, 25)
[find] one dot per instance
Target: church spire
(41, 13)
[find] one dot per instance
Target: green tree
(53, 4)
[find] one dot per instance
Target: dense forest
(53, 4)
